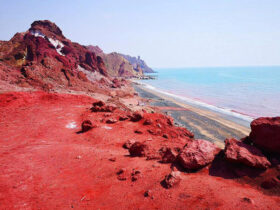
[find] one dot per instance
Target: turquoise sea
(250, 92)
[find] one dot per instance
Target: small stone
(248, 200)
(138, 132)
(148, 193)
(86, 125)
(135, 175)
(148, 122)
(123, 118)
(122, 176)
(172, 179)
(165, 136)
(128, 143)
(113, 159)
(111, 121)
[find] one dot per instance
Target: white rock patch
(107, 127)
(92, 76)
(57, 44)
(71, 125)
(37, 34)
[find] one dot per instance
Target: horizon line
(237, 66)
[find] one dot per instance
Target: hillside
(115, 64)
(137, 61)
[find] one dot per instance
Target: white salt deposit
(92, 76)
(37, 34)
(57, 44)
(71, 125)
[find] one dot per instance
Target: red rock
(148, 122)
(113, 159)
(239, 152)
(265, 133)
(168, 155)
(116, 83)
(86, 125)
(100, 106)
(197, 153)
(270, 183)
(135, 175)
(247, 200)
(138, 131)
(111, 121)
(148, 193)
(165, 136)
(128, 143)
(172, 179)
(137, 116)
(122, 174)
(139, 149)
(123, 118)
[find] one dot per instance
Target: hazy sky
(174, 33)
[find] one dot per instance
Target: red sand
(45, 165)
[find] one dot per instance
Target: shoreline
(204, 123)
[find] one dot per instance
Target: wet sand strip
(203, 123)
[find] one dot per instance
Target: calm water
(253, 91)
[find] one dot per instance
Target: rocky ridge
(117, 65)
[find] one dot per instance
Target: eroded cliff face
(116, 64)
(137, 62)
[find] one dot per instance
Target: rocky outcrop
(239, 152)
(138, 63)
(197, 153)
(44, 59)
(116, 65)
(265, 133)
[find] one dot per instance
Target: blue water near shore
(246, 91)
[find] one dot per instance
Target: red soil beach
(46, 162)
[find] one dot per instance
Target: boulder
(100, 106)
(197, 153)
(139, 149)
(172, 179)
(239, 152)
(137, 116)
(270, 183)
(265, 133)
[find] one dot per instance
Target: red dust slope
(48, 162)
